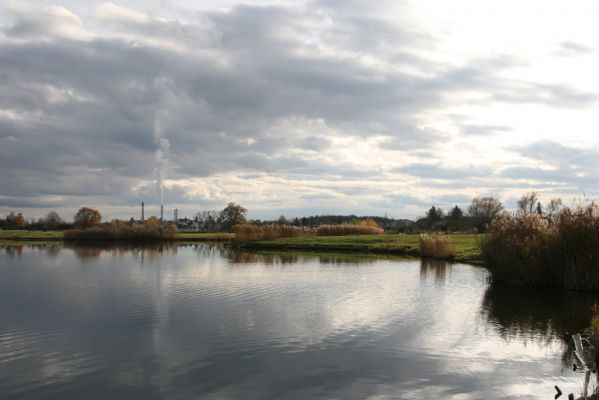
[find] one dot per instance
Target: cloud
(52, 23)
(342, 99)
(572, 49)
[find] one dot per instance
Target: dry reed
(247, 232)
(436, 246)
(527, 249)
(348, 229)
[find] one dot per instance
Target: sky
(295, 108)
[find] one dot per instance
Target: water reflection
(200, 321)
(537, 313)
(438, 268)
(13, 250)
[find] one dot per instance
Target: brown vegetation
(247, 233)
(87, 217)
(436, 246)
(528, 249)
(153, 230)
(364, 227)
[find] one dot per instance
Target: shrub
(527, 249)
(349, 229)
(118, 231)
(522, 250)
(436, 245)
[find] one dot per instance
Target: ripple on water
(201, 322)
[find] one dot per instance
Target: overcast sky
(295, 108)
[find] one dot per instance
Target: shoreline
(466, 245)
(58, 236)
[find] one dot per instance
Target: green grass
(197, 236)
(30, 235)
(466, 245)
(18, 235)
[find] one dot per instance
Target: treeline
(316, 221)
(17, 221)
(234, 214)
(477, 217)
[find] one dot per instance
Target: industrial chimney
(142, 212)
(161, 212)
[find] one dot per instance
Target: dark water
(193, 322)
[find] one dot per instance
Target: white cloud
(290, 107)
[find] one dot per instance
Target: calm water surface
(191, 322)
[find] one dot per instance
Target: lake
(201, 321)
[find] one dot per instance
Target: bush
(349, 229)
(436, 246)
(527, 249)
(118, 231)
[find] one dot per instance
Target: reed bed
(436, 246)
(122, 232)
(348, 229)
(529, 250)
(247, 232)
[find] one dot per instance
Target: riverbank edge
(407, 251)
(57, 236)
(361, 247)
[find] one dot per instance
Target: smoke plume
(161, 155)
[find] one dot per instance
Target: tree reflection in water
(541, 315)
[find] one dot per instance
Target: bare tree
(53, 220)
(484, 210)
(553, 208)
(528, 201)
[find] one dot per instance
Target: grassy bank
(22, 235)
(466, 245)
(16, 235)
(205, 237)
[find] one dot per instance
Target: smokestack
(175, 215)
(142, 212)
(161, 211)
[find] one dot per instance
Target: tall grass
(118, 231)
(578, 235)
(247, 232)
(526, 249)
(348, 229)
(436, 246)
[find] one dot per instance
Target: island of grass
(466, 247)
